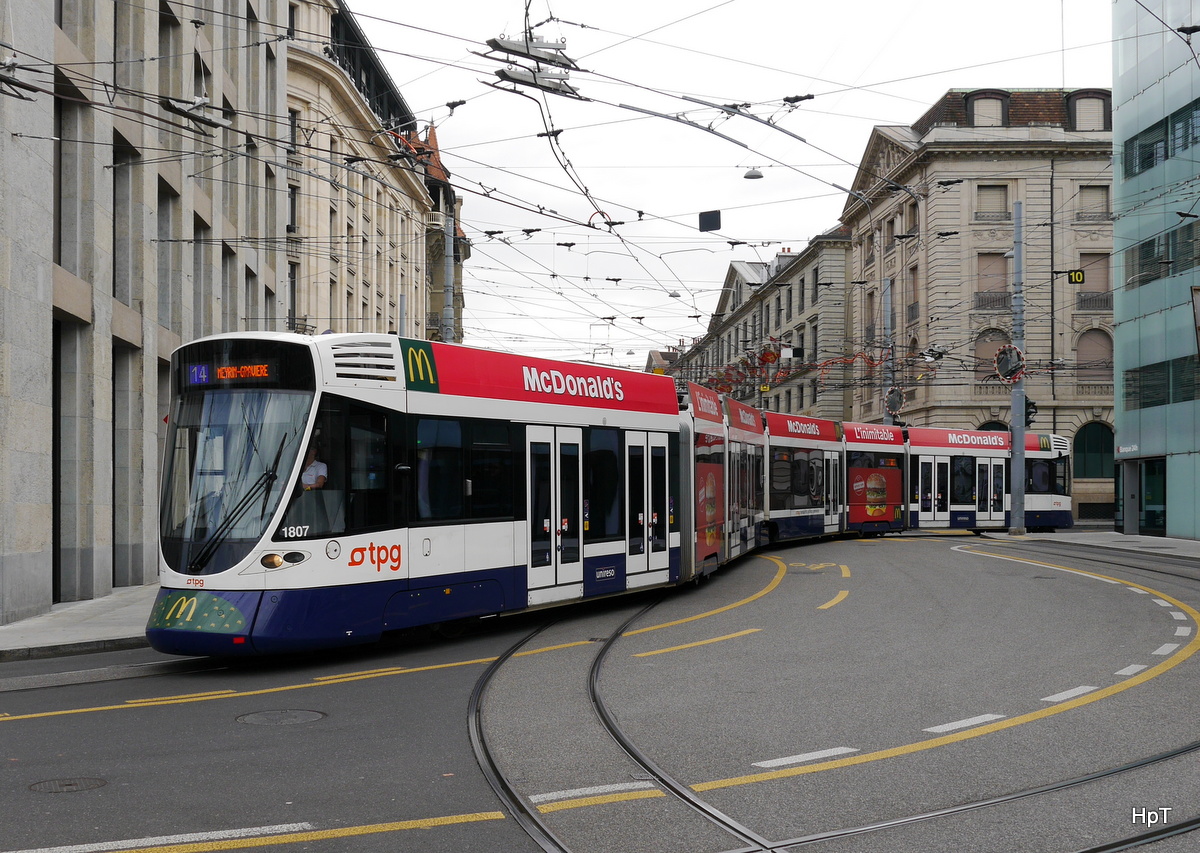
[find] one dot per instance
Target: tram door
(833, 493)
(646, 502)
(989, 490)
(934, 491)
(555, 490)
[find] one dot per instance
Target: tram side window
(1048, 476)
(492, 481)
(784, 472)
(810, 490)
(962, 479)
(602, 486)
(439, 473)
(352, 440)
(367, 497)
(673, 484)
(757, 463)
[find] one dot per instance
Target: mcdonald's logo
(180, 605)
(419, 366)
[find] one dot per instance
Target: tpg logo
(378, 556)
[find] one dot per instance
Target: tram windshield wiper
(264, 482)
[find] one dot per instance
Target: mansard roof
(1025, 108)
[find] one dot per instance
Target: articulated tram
(320, 491)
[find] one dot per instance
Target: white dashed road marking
(1069, 694)
(964, 724)
(808, 756)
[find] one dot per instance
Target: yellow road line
(584, 802)
(764, 591)
(318, 834)
(698, 643)
(1000, 725)
(328, 680)
(211, 694)
(839, 597)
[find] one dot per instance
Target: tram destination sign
(230, 373)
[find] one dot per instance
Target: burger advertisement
(873, 493)
(710, 512)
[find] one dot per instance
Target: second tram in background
(319, 491)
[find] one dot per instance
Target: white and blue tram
(460, 482)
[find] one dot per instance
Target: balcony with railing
(1094, 300)
(993, 300)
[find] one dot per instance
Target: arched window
(993, 426)
(1089, 109)
(988, 108)
(1094, 358)
(1093, 452)
(986, 345)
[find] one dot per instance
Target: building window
(1093, 452)
(991, 286)
(1093, 204)
(293, 131)
(1090, 114)
(1094, 358)
(1146, 150)
(913, 312)
(1185, 128)
(1159, 384)
(1096, 292)
(987, 112)
(991, 203)
(985, 354)
(987, 108)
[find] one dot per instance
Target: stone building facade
(155, 191)
(931, 212)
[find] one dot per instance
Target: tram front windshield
(230, 449)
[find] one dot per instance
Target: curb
(84, 647)
(1099, 546)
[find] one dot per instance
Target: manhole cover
(66, 786)
(280, 718)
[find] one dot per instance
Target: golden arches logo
(179, 606)
(419, 366)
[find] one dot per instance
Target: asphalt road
(803, 691)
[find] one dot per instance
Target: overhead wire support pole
(1017, 472)
(682, 121)
(733, 111)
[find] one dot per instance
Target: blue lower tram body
(225, 622)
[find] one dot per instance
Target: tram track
(748, 840)
(760, 844)
(1048, 548)
(530, 819)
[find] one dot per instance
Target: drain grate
(280, 718)
(67, 786)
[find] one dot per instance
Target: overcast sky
(866, 63)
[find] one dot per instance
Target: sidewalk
(118, 621)
(1188, 549)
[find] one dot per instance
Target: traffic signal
(1030, 412)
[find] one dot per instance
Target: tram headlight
(271, 561)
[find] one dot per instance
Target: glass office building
(1156, 153)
